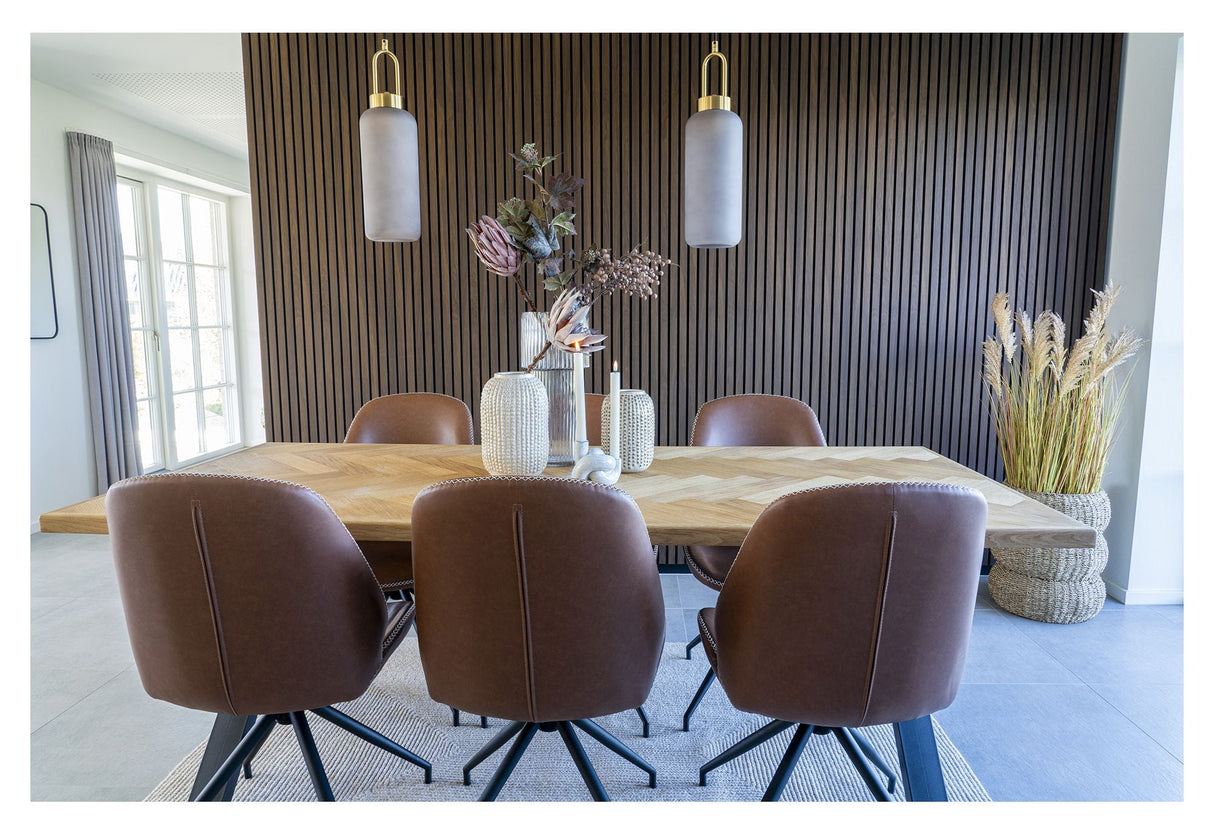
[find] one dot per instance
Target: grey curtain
(107, 337)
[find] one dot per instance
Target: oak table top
(689, 496)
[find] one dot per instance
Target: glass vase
(555, 371)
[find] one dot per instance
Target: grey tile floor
(1089, 711)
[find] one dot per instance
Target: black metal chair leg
(740, 747)
(861, 764)
(248, 761)
(691, 645)
(349, 723)
(497, 742)
(698, 697)
(873, 757)
(644, 721)
(455, 719)
(515, 754)
(261, 728)
(311, 756)
(919, 759)
(589, 775)
(613, 744)
(780, 779)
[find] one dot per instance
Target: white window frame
(149, 230)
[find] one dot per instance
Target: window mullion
(156, 256)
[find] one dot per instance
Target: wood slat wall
(894, 183)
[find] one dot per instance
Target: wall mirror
(44, 317)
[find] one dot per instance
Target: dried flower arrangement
(532, 230)
(1055, 410)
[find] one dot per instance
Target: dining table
(690, 495)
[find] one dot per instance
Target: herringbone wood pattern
(690, 496)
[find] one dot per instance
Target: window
(179, 295)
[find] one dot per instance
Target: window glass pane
(172, 225)
(126, 218)
(134, 295)
(140, 357)
(185, 416)
(181, 359)
(147, 438)
(176, 295)
(206, 296)
(202, 231)
(210, 354)
(215, 414)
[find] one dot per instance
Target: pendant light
(712, 166)
(387, 133)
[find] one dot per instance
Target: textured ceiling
(212, 100)
(191, 84)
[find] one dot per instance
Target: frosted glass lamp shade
(712, 180)
(392, 209)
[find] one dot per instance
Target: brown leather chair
(248, 597)
(538, 601)
(848, 607)
(413, 418)
(742, 420)
(594, 420)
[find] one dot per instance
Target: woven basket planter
(1055, 585)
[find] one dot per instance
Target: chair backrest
(538, 599)
(851, 605)
(594, 420)
(756, 420)
(242, 595)
(413, 418)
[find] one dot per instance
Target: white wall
(61, 454)
(1144, 478)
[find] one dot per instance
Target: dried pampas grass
(1055, 409)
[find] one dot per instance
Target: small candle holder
(580, 450)
(597, 466)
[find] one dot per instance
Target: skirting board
(1145, 597)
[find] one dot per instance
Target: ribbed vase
(555, 371)
(1055, 585)
(514, 424)
(636, 429)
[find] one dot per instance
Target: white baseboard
(1145, 597)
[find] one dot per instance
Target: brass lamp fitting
(384, 99)
(706, 101)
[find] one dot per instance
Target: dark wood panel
(894, 183)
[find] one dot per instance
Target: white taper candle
(614, 431)
(579, 399)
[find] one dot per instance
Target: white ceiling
(189, 83)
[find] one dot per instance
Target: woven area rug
(398, 705)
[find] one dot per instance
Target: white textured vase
(636, 429)
(514, 424)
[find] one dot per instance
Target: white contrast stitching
(706, 633)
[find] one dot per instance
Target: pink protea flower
(494, 247)
(567, 328)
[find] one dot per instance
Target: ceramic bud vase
(555, 371)
(514, 424)
(636, 429)
(1055, 585)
